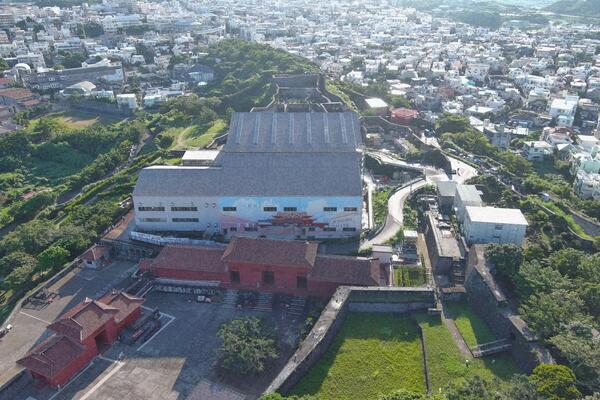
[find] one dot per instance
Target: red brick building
(403, 116)
(282, 266)
(80, 334)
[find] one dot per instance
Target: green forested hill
(589, 8)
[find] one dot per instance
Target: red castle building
(282, 266)
(81, 333)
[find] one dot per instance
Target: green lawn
(195, 136)
(380, 208)
(373, 354)
(472, 328)
(446, 363)
(79, 119)
(409, 276)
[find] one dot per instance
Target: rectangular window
(269, 209)
(229, 209)
(301, 282)
(233, 229)
(498, 227)
(151, 209)
(349, 229)
(329, 209)
(350, 209)
(185, 219)
(329, 229)
(312, 229)
(290, 209)
(184, 208)
(234, 276)
(154, 220)
(268, 277)
(250, 229)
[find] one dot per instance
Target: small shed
(96, 257)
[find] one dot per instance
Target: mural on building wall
(290, 216)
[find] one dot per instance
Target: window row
(265, 209)
(162, 208)
(268, 278)
(274, 209)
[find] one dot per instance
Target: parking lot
(29, 323)
(179, 361)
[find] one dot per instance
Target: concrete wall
(374, 299)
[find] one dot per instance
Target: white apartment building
(587, 185)
(127, 100)
(494, 225)
(477, 71)
(563, 109)
(466, 195)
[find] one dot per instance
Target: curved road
(395, 218)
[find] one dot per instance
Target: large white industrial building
(280, 174)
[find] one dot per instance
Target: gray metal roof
(446, 188)
(293, 132)
(258, 174)
(468, 194)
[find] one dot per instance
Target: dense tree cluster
(247, 345)
(560, 300)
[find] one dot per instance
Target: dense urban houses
(80, 334)
(281, 266)
(280, 174)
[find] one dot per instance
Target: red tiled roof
(30, 103)
(346, 270)
(17, 93)
(404, 112)
(125, 303)
(95, 252)
(6, 81)
(187, 258)
(84, 319)
(271, 252)
(52, 355)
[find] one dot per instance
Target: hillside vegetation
(588, 8)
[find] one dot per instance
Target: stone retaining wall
(344, 300)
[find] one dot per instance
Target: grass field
(79, 119)
(409, 276)
(471, 327)
(373, 354)
(446, 363)
(195, 136)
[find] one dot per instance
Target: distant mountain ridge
(589, 8)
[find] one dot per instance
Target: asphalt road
(395, 218)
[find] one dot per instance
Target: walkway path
(460, 342)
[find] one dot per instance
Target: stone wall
(489, 302)
(344, 300)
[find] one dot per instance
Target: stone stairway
(458, 275)
(490, 348)
(265, 302)
(230, 299)
(297, 306)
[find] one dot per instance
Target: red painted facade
(81, 334)
(280, 266)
